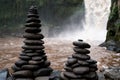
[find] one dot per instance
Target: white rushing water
(96, 17)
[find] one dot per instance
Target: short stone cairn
(79, 66)
(33, 61)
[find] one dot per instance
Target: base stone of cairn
(32, 63)
(80, 66)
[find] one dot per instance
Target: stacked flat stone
(33, 61)
(79, 66)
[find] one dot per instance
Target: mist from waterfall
(94, 26)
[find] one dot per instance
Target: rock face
(33, 61)
(111, 73)
(79, 66)
(113, 28)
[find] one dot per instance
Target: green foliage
(53, 12)
(113, 26)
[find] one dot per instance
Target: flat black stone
(40, 51)
(33, 36)
(33, 19)
(28, 51)
(81, 51)
(81, 44)
(93, 65)
(22, 54)
(32, 30)
(75, 65)
(21, 62)
(34, 42)
(42, 78)
(33, 24)
(83, 63)
(81, 56)
(24, 79)
(30, 67)
(69, 69)
(62, 77)
(25, 57)
(90, 75)
(43, 72)
(70, 75)
(72, 61)
(33, 47)
(33, 54)
(23, 74)
(81, 70)
(16, 68)
(93, 69)
(31, 62)
(32, 15)
(38, 58)
(92, 61)
(47, 63)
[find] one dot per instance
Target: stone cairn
(33, 61)
(79, 66)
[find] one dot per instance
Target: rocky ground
(57, 50)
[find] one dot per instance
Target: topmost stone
(33, 9)
(81, 44)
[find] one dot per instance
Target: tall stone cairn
(79, 66)
(32, 62)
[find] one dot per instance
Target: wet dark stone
(25, 57)
(83, 63)
(69, 69)
(24, 79)
(47, 63)
(93, 69)
(28, 51)
(33, 36)
(93, 65)
(91, 75)
(91, 61)
(33, 47)
(30, 67)
(75, 65)
(37, 58)
(33, 24)
(31, 62)
(81, 51)
(42, 78)
(32, 15)
(32, 19)
(72, 61)
(32, 54)
(23, 74)
(22, 54)
(81, 44)
(43, 72)
(70, 57)
(21, 62)
(32, 30)
(70, 75)
(16, 68)
(63, 77)
(40, 51)
(33, 42)
(80, 70)
(81, 56)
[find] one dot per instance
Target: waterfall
(94, 27)
(96, 17)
